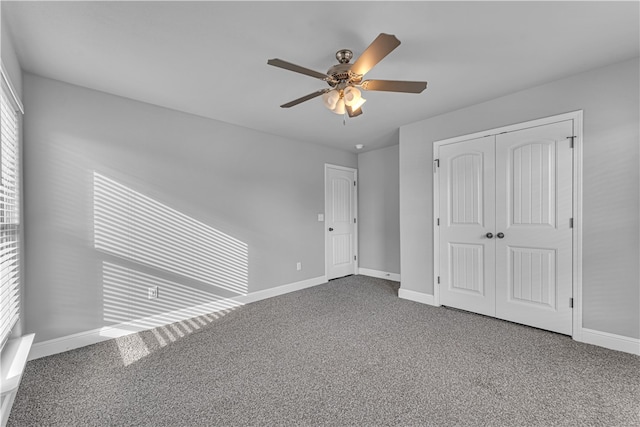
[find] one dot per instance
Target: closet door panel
(533, 212)
(467, 209)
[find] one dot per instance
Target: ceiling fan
(345, 79)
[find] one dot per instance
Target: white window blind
(9, 214)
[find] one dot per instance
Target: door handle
(500, 235)
(330, 229)
(489, 235)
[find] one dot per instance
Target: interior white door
(534, 236)
(340, 221)
(467, 212)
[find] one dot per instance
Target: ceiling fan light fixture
(346, 81)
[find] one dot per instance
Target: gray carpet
(348, 352)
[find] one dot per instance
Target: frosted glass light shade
(339, 109)
(358, 104)
(351, 96)
(330, 99)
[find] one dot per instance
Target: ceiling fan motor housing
(340, 72)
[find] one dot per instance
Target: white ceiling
(210, 58)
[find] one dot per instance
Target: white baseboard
(280, 290)
(416, 296)
(81, 339)
(379, 274)
(611, 341)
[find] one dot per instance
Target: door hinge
(354, 220)
(354, 183)
(438, 279)
(355, 258)
(438, 222)
(571, 302)
(570, 222)
(571, 138)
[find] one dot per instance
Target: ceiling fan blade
(394, 86)
(298, 69)
(383, 45)
(353, 113)
(304, 98)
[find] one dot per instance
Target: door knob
(500, 235)
(489, 235)
(330, 229)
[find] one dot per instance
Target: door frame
(328, 166)
(576, 116)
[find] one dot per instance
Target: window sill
(12, 363)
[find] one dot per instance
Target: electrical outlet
(299, 266)
(152, 292)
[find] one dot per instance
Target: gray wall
(9, 58)
(609, 97)
(121, 195)
(378, 204)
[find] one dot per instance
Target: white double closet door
(505, 233)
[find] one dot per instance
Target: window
(9, 210)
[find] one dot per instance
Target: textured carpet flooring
(348, 352)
